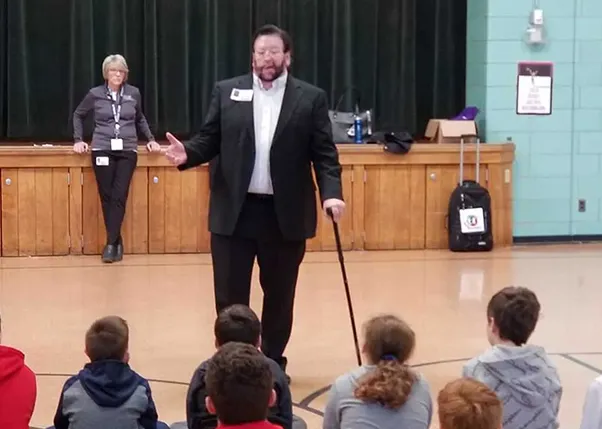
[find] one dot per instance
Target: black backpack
(469, 223)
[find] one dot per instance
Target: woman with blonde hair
(385, 393)
(117, 109)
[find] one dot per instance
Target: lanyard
(117, 110)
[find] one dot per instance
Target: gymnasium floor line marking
(581, 363)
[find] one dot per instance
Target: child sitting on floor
(107, 393)
(237, 323)
(385, 393)
(18, 389)
(240, 387)
(466, 403)
(522, 375)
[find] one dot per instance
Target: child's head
(239, 384)
(237, 323)
(388, 344)
(107, 339)
(469, 404)
(512, 315)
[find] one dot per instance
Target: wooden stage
(50, 203)
(47, 303)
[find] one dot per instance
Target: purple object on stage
(468, 114)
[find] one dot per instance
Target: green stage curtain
(406, 57)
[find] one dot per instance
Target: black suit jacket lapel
(292, 94)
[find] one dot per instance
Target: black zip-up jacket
(198, 417)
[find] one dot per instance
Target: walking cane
(347, 292)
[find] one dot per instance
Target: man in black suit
(262, 133)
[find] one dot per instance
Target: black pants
(258, 235)
(113, 182)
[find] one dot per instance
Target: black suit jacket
(303, 137)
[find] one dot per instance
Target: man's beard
(278, 71)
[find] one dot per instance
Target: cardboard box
(449, 131)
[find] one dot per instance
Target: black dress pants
(114, 171)
(257, 235)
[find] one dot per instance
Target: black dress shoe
(119, 251)
(109, 253)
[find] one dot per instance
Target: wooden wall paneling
(25, 182)
(135, 223)
(35, 213)
(357, 214)
(314, 244)
(76, 211)
(10, 212)
(42, 200)
(392, 202)
(156, 207)
(500, 188)
(61, 185)
(325, 239)
(190, 209)
(440, 182)
(204, 237)
(417, 206)
(394, 207)
(175, 208)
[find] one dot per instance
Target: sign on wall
(534, 88)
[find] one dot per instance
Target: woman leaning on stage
(117, 109)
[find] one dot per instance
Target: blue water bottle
(357, 129)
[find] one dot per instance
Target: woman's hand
(153, 147)
(80, 147)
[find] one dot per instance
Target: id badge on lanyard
(117, 142)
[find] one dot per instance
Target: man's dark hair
(272, 30)
(515, 311)
(237, 323)
(107, 338)
(239, 383)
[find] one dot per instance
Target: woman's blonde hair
(114, 59)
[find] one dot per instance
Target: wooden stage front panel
(50, 203)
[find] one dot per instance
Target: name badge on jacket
(116, 144)
(241, 94)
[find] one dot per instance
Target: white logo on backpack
(472, 220)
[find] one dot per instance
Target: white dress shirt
(266, 111)
(592, 409)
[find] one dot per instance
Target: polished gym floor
(48, 303)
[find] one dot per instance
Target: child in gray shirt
(385, 393)
(522, 375)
